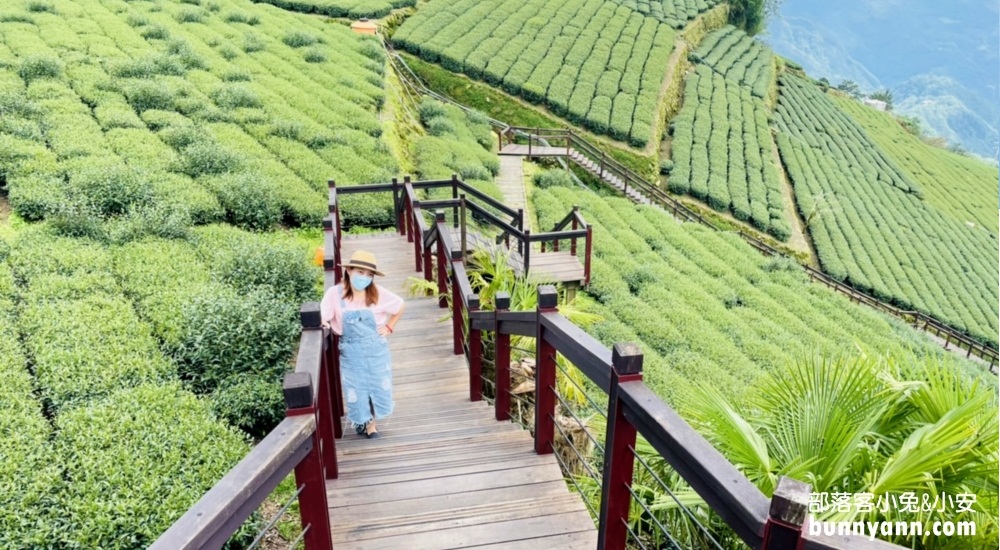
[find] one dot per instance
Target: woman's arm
(390, 325)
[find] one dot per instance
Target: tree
(750, 15)
(850, 88)
(883, 95)
(912, 125)
(824, 84)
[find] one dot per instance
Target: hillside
(163, 175)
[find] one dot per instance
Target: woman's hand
(384, 331)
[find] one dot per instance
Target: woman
(364, 314)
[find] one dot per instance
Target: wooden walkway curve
(445, 473)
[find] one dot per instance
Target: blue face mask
(360, 282)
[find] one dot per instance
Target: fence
(304, 442)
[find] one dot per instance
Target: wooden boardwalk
(445, 474)
(536, 151)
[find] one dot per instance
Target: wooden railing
(304, 442)
(411, 221)
(607, 165)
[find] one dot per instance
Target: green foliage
(314, 55)
(575, 70)
(666, 166)
(249, 200)
(299, 39)
(207, 157)
(353, 9)
(225, 332)
(666, 286)
(108, 188)
(233, 96)
(242, 17)
(247, 262)
(254, 405)
(455, 145)
(880, 425)
(722, 148)
(857, 198)
(40, 6)
(117, 477)
(553, 178)
(37, 67)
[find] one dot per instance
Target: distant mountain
(940, 59)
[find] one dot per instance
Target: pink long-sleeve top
(389, 304)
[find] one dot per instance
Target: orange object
(318, 257)
(364, 26)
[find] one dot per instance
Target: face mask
(360, 282)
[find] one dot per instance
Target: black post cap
(439, 215)
(298, 390)
(790, 501)
(626, 358)
(331, 183)
(309, 314)
(502, 300)
(327, 223)
(548, 298)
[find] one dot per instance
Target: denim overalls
(365, 367)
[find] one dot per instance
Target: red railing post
(475, 355)
(456, 313)
(309, 316)
(332, 366)
(619, 460)
(501, 401)
(576, 225)
(441, 261)
(454, 195)
(586, 260)
(545, 374)
(783, 529)
(397, 208)
(335, 210)
(309, 474)
(428, 263)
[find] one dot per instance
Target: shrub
(473, 171)
(190, 15)
(138, 460)
(430, 109)
(439, 126)
(35, 67)
(253, 43)
(77, 219)
(236, 75)
(86, 348)
(666, 167)
(224, 332)
(299, 39)
(373, 49)
(553, 178)
(155, 32)
(252, 404)
(110, 188)
(247, 262)
(35, 197)
(314, 55)
(40, 6)
(242, 17)
(146, 94)
(234, 96)
(170, 221)
(207, 157)
(249, 200)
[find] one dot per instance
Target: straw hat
(364, 260)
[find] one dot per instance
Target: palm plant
(885, 425)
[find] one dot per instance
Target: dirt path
(799, 240)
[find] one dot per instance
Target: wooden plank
(486, 452)
(480, 515)
(458, 501)
(390, 477)
(493, 533)
(580, 540)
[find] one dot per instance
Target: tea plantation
(163, 175)
(871, 224)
